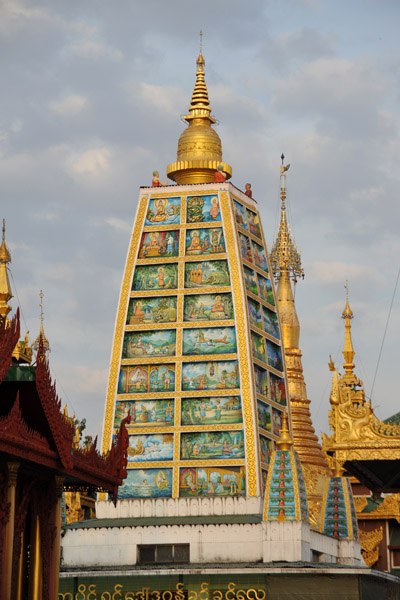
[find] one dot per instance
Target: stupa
(215, 502)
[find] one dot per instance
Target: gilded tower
(197, 352)
(286, 266)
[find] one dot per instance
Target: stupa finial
(5, 287)
(199, 146)
(348, 350)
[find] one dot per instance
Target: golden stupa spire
(5, 288)
(286, 267)
(348, 351)
(199, 146)
(41, 338)
(285, 441)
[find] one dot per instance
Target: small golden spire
(199, 146)
(348, 351)
(285, 441)
(41, 337)
(5, 288)
(284, 254)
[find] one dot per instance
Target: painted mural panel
(209, 340)
(254, 313)
(258, 346)
(254, 223)
(159, 243)
(211, 411)
(260, 257)
(151, 446)
(245, 248)
(145, 412)
(200, 242)
(147, 483)
(274, 355)
(164, 211)
(140, 344)
(141, 379)
(206, 273)
(266, 292)
(266, 449)
(212, 481)
(202, 209)
(271, 324)
(261, 378)
(218, 375)
(264, 416)
(276, 421)
(277, 389)
(151, 310)
(209, 445)
(207, 307)
(240, 214)
(250, 280)
(155, 277)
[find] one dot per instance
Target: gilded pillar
(55, 562)
(9, 534)
(35, 577)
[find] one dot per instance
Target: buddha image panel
(145, 412)
(271, 323)
(245, 248)
(209, 340)
(142, 344)
(200, 242)
(152, 310)
(276, 421)
(266, 449)
(150, 447)
(240, 214)
(208, 273)
(277, 389)
(258, 346)
(155, 277)
(253, 223)
(274, 355)
(261, 379)
(141, 379)
(209, 445)
(265, 287)
(147, 483)
(212, 481)
(260, 257)
(254, 313)
(211, 411)
(202, 209)
(218, 375)
(264, 416)
(250, 280)
(208, 307)
(156, 244)
(164, 211)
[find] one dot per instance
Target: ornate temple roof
(363, 445)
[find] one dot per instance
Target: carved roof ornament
(358, 435)
(199, 146)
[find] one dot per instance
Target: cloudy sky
(92, 94)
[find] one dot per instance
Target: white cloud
(165, 99)
(337, 272)
(92, 50)
(92, 163)
(71, 106)
(118, 224)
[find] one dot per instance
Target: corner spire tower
(286, 266)
(5, 288)
(199, 146)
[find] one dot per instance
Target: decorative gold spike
(5, 288)
(285, 441)
(199, 146)
(348, 351)
(41, 338)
